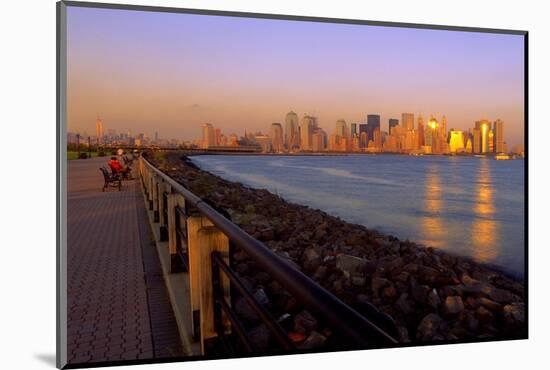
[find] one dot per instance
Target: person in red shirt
(117, 168)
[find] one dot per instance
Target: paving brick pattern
(110, 268)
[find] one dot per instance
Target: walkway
(118, 305)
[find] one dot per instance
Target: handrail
(317, 299)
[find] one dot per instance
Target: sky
(170, 73)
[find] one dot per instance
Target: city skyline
(427, 136)
(171, 81)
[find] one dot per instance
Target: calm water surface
(465, 205)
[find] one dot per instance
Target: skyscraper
(276, 135)
(217, 136)
(377, 138)
(318, 140)
(392, 123)
(420, 128)
(443, 128)
(407, 121)
(499, 136)
(99, 130)
(208, 136)
(306, 130)
(456, 141)
(483, 126)
(476, 138)
(363, 128)
(292, 138)
(373, 122)
(341, 128)
(353, 129)
(430, 133)
(491, 141)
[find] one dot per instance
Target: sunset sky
(170, 73)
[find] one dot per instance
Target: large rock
(419, 292)
(393, 264)
(514, 313)
(433, 299)
(403, 304)
(378, 283)
(481, 289)
(429, 328)
(489, 304)
(453, 305)
(484, 315)
(320, 273)
(352, 267)
(389, 292)
(311, 259)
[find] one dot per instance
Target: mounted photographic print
(235, 184)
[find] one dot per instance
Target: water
(465, 205)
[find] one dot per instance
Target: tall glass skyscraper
(292, 138)
(373, 122)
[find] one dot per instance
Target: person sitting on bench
(117, 168)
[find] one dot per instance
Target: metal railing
(198, 238)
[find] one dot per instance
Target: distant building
(353, 129)
(292, 136)
(431, 133)
(456, 141)
(469, 146)
(363, 128)
(483, 126)
(342, 128)
(476, 141)
(420, 129)
(491, 141)
(276, 134)
(392, 122)
(363, 139)
(306, 130)
(264, 142)
(233, 140)
(499, 136)
(99, 130)
(217, 136)
(443, 128)
(407, 121)
(373, 122)
(318, 140)
(208, 136)
(377, 139)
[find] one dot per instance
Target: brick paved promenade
(118, 306)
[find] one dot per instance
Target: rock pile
(418, 294)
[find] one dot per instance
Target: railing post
(156, 182)
(210, 239)
(150, 189)
(194, 224)
(163, 188)
(174, 200)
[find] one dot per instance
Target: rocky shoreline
(416, 293)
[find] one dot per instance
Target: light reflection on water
(432, 226)
(484, 227)
(465, 205)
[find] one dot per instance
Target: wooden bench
(110, 179)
